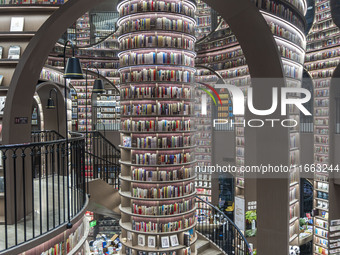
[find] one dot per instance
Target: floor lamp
(72, 70)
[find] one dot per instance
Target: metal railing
(45, 136)
(102, 159)
(218, 228)
(39, 191)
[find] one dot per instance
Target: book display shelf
(321, 60)
(157, 127)
(221, 52)
(106, 111)
(203, 19)
(20, 22)
(203, 151)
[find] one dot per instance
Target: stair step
(202, 245)
(210, 251)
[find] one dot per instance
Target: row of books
(323, 7)
(282, 11)
(157, 6)
(164, 142)
(282, 32)
(291, 54)
(99, 64)
(162, 159)
(164, 192)
(160, 125)
(321, 159)
(161, 41)
(293, 194)
(321, 93)
(294, 141)
(321, 112)
(321, 122)
(159, 109)
(229, 64)
(322, 65)
(323, 55)
(323, 25)
(332, 41)
(151, 58)
(141, 174)
(293, 211)
(13, 52)
(157, 76)
(294, 157)
(134, 92)
(166, 209)
(292, 71)
(323, 35)
(219, 57)
(163, 227)
(107, 53)
(51, 75)
(321, 232)
(321, 102)
(147, 24)
(321, 149)
(321, 131)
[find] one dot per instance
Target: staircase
(206, 247)
(217, 234)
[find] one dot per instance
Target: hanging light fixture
(50, 103)
(98, 87)
(73, 68)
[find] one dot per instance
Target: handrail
(102, 159)
(239, 232)
(47, 131)
(42, 185)
(26, 145)
(104, 138)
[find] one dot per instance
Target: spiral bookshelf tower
(157, 132)
(321, 61)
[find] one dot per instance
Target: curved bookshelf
(157, 72)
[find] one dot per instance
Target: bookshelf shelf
(129, 179)
(128, 227)
(127, 210)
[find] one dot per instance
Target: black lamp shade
(73, 69)
(98, 87)
(50, 104)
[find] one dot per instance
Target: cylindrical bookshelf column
(157, 126)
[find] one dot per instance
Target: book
(14, 52)
(1, 78)
(17, 24)
(1, 51)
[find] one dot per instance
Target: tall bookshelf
(203, 19)
(157, 139)
(321, 60)
(34, 14)
(222, 52)
(203, 151)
